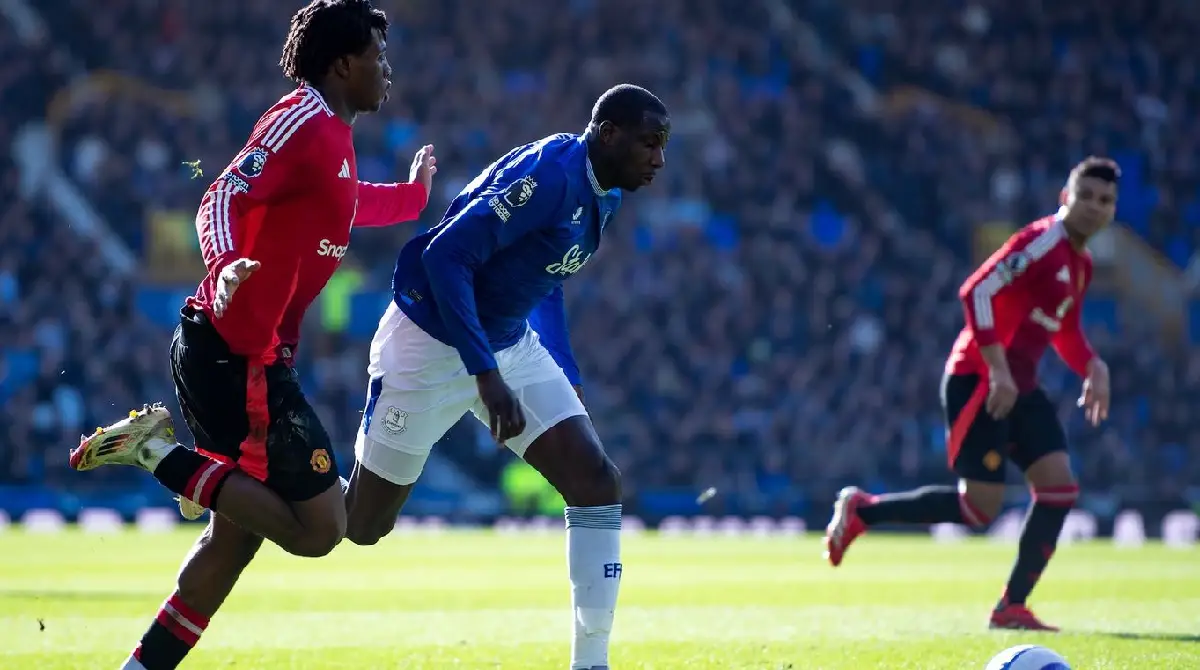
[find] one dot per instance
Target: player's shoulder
(1039, 238)
(298, 118)
(545, 156)
(542, 165)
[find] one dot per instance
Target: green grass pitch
(477, 599)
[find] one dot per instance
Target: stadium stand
(770, 318)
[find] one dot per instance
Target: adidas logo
(344, 173)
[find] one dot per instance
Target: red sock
(193, 476)
(174, 633)
(1039, 538)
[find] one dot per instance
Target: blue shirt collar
(591, 174)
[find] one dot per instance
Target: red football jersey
(288, 200)
(1026, 296)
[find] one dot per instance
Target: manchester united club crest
(320, 461)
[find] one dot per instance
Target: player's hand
(424, 166)
(1096, 392)
(505, 416)
(228, 282)
(1002, 393)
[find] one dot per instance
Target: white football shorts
(420, 388)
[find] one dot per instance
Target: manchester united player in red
(1025, 297)
(273, 228)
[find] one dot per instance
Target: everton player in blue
(458, 337)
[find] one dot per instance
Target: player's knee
(317, 541)
(1051, 481)
(1051, 471)
(594, 487)
(980, 501)
(322, 525)
(609, 484)
(365, 530)
(373, 502)
(367, 523)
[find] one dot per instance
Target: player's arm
(1014, 273)
(1072, 346)
(485, 226)
(386, 204)
(1004, 276)
(549, 320)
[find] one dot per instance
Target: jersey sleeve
(491, 222)
(258, 177)
(386, 204)
(1070, 342)
(1014, 270)
(549, 321)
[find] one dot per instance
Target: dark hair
(625, 105)
(324, 31)
(1105, 169)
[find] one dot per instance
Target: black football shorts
(978, 446)
(251, 415)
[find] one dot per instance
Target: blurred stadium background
(769, 319)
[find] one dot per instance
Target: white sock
(594, 566)
(153, 451)
(132, 663)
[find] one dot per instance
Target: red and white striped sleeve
(270, 167)
(1012, 269)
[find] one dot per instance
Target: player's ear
(341, 67)
(1062, 197)
(607, 132)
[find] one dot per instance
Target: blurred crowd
(770, 318)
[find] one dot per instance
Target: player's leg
(560, 442)
(418, 391)
(398, 431)
(299, 469)
(975, 446)
(242, 415)
(569, 455)
(205, 580)
(1041, 452)
(372, 501)
(388, 463)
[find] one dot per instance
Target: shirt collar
(591, 174)
(592, 178)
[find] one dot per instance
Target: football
(1028, 657)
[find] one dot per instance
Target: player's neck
(605, 176)
(338, 104)
(1078, 242)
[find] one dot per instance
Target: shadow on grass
(1149, 637)
(72, 596)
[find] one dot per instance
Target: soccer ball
(1028, 657)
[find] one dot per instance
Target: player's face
(1091, 204)
(370, 75)
(641, 152)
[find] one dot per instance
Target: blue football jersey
(506, 244)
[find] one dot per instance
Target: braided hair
(324, 31)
